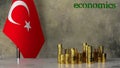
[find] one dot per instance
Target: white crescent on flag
(14, 5)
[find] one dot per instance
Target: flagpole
(18, 55)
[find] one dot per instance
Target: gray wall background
(64, 24)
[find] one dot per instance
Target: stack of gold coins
(103, 57)
(95, 55)
(59, 52)
(79, 60)
(73, 56)
(83, 57)
(100, 52)
(89, 55)
(86, 52)
(62, 59)
(67, 56)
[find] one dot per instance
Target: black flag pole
(18, 55)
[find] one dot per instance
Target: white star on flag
(27, 25)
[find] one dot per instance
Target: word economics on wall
(95, 5)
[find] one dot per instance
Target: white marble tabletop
(52, 63)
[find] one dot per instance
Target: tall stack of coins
(89, 55)
(60, 49)
(84, 54)
(86, 48)
(73, 56)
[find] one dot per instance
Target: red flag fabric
(23, 28)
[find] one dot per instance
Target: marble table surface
(52, 63)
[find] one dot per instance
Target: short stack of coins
(62, 59)
(101, 54)
(79, 60)
(73, 56)
(103, 57)
(95, 54)
(67, 56)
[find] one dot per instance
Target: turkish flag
(23, 28)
